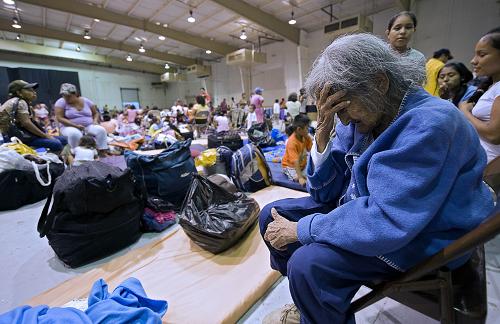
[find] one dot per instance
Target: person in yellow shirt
(432, 69)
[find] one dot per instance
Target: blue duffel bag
(166, 175)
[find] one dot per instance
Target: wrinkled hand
(80, 127)
(280, 232)
(466, 106)
(328, 106)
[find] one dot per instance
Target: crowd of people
(398, 152)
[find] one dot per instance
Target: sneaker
(288, 314)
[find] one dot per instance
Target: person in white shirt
(42, 114)
(251, 117)
(485, 116)
(276, 109)
(293, 105)
(85, 151)
(221, 122)
(178, 107)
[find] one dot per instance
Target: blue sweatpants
(54, 145)
(323, 278)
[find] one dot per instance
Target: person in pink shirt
(131, 114)
(204, 93)
(258, 100)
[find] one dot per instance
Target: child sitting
(109, 124)
(155, 125)
(85, 151)
(221, 122)
(251, 117)
(298, 144)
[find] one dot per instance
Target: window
(130, 96)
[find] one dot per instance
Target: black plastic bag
(259, 135)
(214, 218)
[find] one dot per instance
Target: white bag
(11, 160)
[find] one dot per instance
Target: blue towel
(127, 304)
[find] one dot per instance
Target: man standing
(432, 68)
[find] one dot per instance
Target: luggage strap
(46, 220)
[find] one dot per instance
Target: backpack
(249, 169)
(96, 212)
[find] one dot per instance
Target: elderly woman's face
(356, 113)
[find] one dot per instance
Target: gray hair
(354, 63)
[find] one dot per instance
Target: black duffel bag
(108, 219)
(21, 187)
(214, 218)
(230, 139)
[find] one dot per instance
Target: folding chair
(201, 122)
(457, 296)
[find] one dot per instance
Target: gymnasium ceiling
(118, 27)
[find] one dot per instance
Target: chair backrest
(202, 114)
(480, 235)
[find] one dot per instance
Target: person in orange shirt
(299, 143)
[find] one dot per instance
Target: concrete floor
(29, 267)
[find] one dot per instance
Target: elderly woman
(77, 115)
(386, 183)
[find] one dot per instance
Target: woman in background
(257, 100)
(399, 32)
(77, 115)
(452, 82)
(485, 114)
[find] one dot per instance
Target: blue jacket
(411, 192)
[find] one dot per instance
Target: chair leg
(446, 300)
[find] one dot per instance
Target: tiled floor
(30, 267)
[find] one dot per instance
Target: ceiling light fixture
(157, 23)
(18, 37)
(142, 49)
(208, 51)
(165, 25)
(129, 58)
(15, 23)
(167, 66)
(161, 37)
(292, 21)
(243, 35)
(9, 2)
(97, 20)
(78, 49)
(86, 34)
(191, 19)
